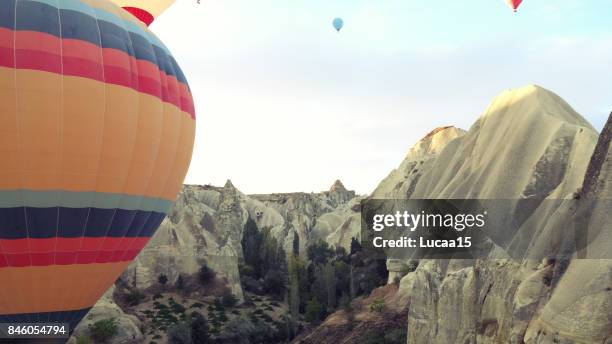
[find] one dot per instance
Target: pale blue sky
(285, 103)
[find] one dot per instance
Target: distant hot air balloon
(514, 4)
(145, 10)
(97, 127)
(338, 24)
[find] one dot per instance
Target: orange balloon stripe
(100, 145)
(38, 289)
(45, 52)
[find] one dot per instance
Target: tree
(355, 246)
(296, 243)
(377, 306)
(275, 283)
(296, 267)
(179, 333)
(320, 252)
(229, 300)
(206, 275)
(313, 310)
(251, 244)
(162, 279)
(103, 330)
(180, 283)
(330, 283)
(199, 329)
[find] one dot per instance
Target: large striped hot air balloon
(96, 133)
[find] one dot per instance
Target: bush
(244, 331)
(179, 333)
(229, 300)
(275, 282)
(103, 330)
(397, 336)
(410, 267)
(180, 283)
(162, 279)
(313, 310)
(206, 275)
(377, 305)
(134, 297)
(320, 252)
(199, 329)
(83, 340)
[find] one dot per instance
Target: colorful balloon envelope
(514, 4)
(338, 24)
(97, 127)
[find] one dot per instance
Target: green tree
(180, 283)
(206, 275)
(330, 282)
(103, 330)
(275, 283)
(296, 268)
(199, 329)
(296, 244)
(179, 333)
(228, 299)
(313, 310)
(251, 244)
(377, 305)
(355, 246)
(320, 252)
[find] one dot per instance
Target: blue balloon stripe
(41, 223)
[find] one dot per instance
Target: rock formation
(528, 146)
(206, 224)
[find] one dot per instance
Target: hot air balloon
(97, 126)
(338, 24)
(145, 10)
(514, 4)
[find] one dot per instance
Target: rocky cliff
(529, 146)
(206, 227)
(551, 167)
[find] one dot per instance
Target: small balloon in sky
(338, 24)
(514, 4)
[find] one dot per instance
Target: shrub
(83, 340)
(375, 337)
(179, 333)
(103, 330)
(199, 329)
(134, 297)
(397, 336)
(275, 282)
(229, 300)
(320, 252)
(206, 275)
(313, 310)
(410, 267)
(377, 305)
(162, 279)
(180, 283)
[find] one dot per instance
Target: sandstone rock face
(401, 182)
(207, 222)
(528, 146)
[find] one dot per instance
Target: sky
(285, 103)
